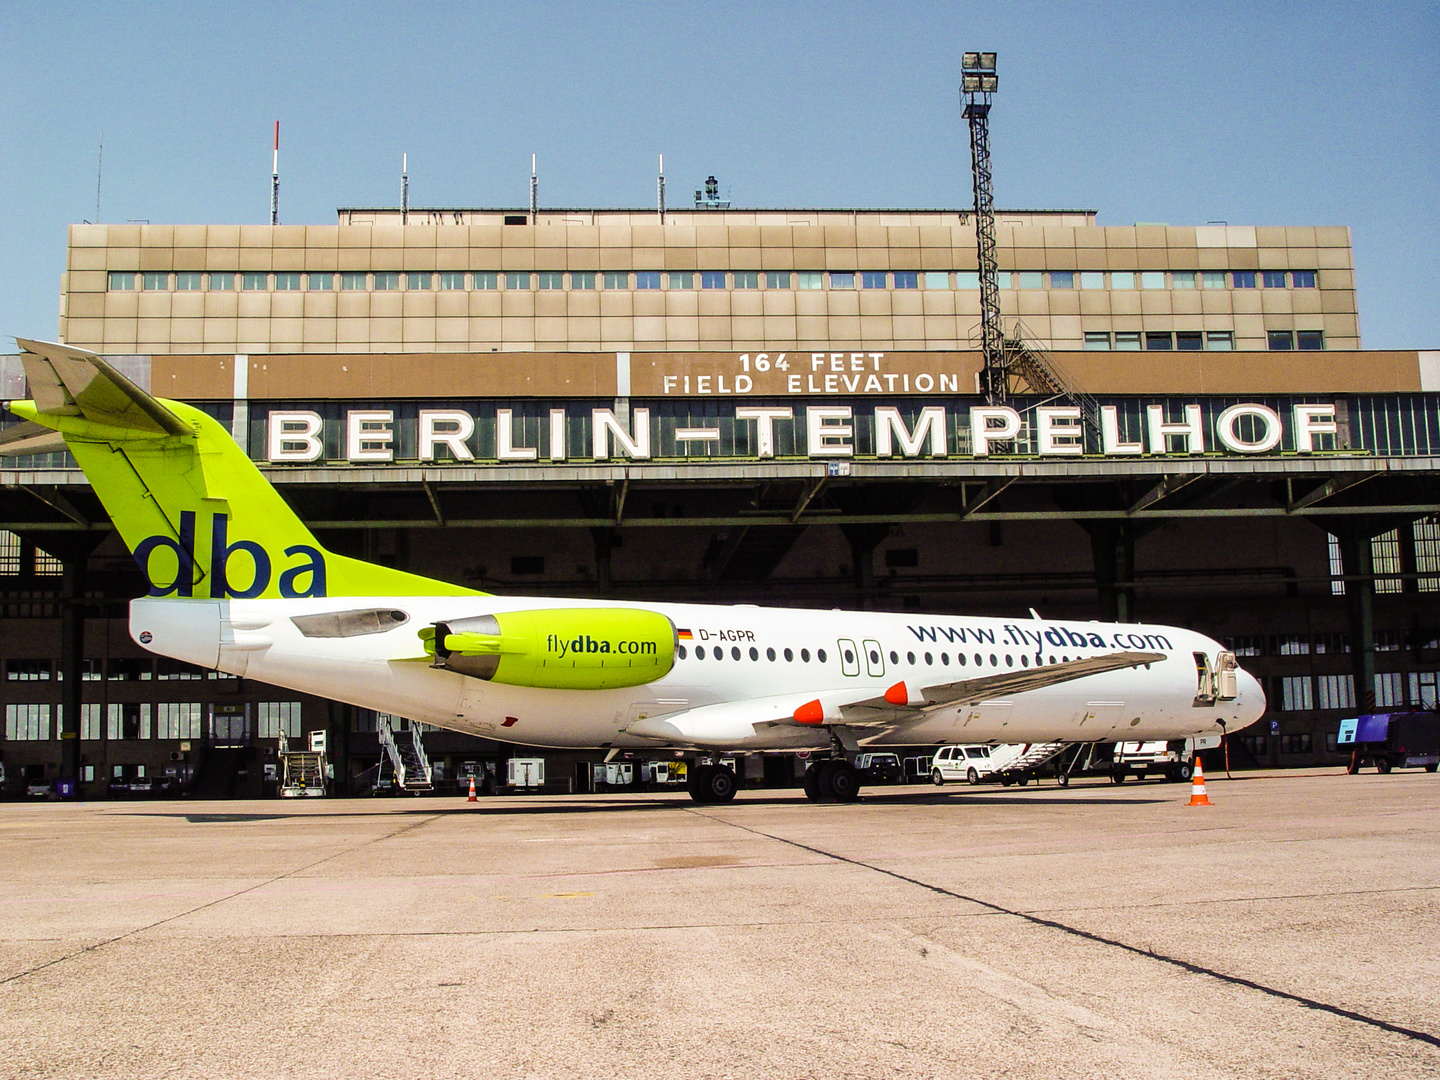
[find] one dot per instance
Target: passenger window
(681, 650)
(978, 660)
(944, 659)
(910, 658)
(849, 657)
(929, 659)
(894, 657)
(993, 661)
(735, 652)
(1008, 661)
(961, 658)
(1024, 661)
(805, 656)
(770, 655)
(820, 655)
(789, 656)
(754, 653)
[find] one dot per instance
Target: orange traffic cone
(472, 791)
(1197, 787)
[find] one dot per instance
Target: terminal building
(745, 406)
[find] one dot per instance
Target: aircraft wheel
(972, 777)
(844, 782)
(697, 782)
(937, 779)
(1383, 764)
(721, 785)
(811, 783)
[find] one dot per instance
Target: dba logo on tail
(310, 569)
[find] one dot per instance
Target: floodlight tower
(977, 86)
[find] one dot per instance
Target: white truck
(1174, 760)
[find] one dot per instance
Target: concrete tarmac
(1289, 930)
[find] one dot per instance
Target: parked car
(38, 789)
(973, 762)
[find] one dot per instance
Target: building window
(1003, 279)
(1295, 694)
(1246, 645)
(1243, 279)
(320, 282)
(254, 282)
(27, 670)
(486, 279)
(1122, 279)
(937, 279)
(1290, 645)
(27, 723)
(418, 282)
(1097, 339)
(167, 670)
(1189, 341)
(1427, 554)
(584, 280)
(1385, 561)
(1272, 279)
(121, 282)
(1030, 279)
(1389, 640)
(647, 279)
(517, 282)
(1062, 279)
(1331, 643)
(1336, 691)
(1183, 279)
(450, 280)
(287, 282)
(1152, 279)
(809, 279)
(617, 279)
(189, 281)
(178, 720)
(1303, 279)
(221, 282)
(1220, 340)
(1127, 341)
(747, 279)
(387, 280)
(842, 279)
(527, 564)
(351, 281)
(1422, 689)
(127, 720)
(155, 282)
(1092, 279)
(1159, 340)
(907, 279)
(682, 279)
(967, 279)
(92, 721)
(1258, 745)
(1308, 340)
(1296, 744)
(1212, 279)
(1282, 340)
(277, 718)
(1337, 565)
(777, 279)
(712, 279)
(130, 669)
(1389, 690)
(549, 280)
(872, 279)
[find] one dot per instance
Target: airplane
(238, 583)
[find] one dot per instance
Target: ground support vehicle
(1408, 740)
(880, 768)
(1010, 763)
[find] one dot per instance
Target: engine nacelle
(557, 648)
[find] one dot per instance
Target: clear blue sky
(1278, 113)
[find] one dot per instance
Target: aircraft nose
(1251, 705)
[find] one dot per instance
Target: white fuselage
(744, 687)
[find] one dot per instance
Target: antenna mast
(534, 191)
(275, 179)
(977, 85)
(99, 173)
(404, 189)
(661, 189)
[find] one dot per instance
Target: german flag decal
(684, 635)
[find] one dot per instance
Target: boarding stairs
(406, 755)
(1038, 754)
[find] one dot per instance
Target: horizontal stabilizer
(65, 381)
(29, 437)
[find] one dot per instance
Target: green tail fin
(194, 509)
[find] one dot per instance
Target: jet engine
(557, 648)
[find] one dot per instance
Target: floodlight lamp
(988, 84)
(969, 61)
(987, 61)
(970, 84)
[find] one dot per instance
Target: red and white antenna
(275, 179)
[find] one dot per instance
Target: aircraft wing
(28, 437)
(66, 381)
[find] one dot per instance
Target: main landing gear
(711, 783)
(834, 779)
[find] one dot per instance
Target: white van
(972, 762)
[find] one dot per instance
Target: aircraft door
(849, 657)
(874, 659)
